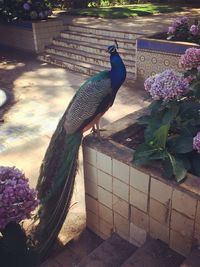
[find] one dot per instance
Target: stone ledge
(143, 189)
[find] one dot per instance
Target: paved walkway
(42, 93)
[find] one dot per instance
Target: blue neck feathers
(118, 72)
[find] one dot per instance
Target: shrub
(172, 123)
(181, 30)
(17, 199)
(24, 10)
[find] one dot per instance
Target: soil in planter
(160, 35)
(130, 137)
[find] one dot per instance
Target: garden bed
(137, 202)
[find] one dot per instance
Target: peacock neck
(118, 72)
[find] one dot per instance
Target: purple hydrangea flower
(194, 29)
(171, 30)
(26, 6)
(191, 59)
(196, 142)
(167, 85)
(17, 199)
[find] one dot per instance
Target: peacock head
(112, 49)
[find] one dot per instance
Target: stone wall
(137, 202)
(30, 36)
(155, 56)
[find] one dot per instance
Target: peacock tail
(55, 185)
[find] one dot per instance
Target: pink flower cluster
(167, 85)
(177, 24)
(17, 199)
(196, 142)
(191, 59)
(194, 30)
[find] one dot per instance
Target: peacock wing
(92, 98)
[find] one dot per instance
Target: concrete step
(94, 49)
(154, 253)
(193, 260)
(103, 32)
(111, 253)
(75, 250)
(96, 39)
(82, 56)
(78, 66)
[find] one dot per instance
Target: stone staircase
(83, 49)
(91, 251)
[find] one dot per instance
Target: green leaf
(146, 153)
(167, 168)
(179, 170)
(155, 105)
(144, 119)
(160, 136)
(196, 163)
(170, 114)
(182, 144)
(196, 88)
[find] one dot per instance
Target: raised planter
(137, 202)
(30, 36)
(155, 56)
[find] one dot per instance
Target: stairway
(83, 49)
(91, 251)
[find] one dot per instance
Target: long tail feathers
(55, 185)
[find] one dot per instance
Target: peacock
(59, 166)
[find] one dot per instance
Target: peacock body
(58, 169)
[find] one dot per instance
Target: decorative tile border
(155, 56)
(137, 202)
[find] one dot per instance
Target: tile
(197, 234)
(91, 204)
(120, 189)
(105, 213)
(90, 155)
(105, 228)
(91, 188)
(159, 211)
(138, 199)
(92, 221)
(184, 203)
(66, 258)
(120, 206)
(179, 243)
(105, 197)
(139, 180)
(51, 263)
(139, 218)
(104, 163)
(198, 213)
(160, 191)
(137, 234)
(158, 230)
(182, 224)
(121, 171)
(122, 226)
(104, 180)
(90, 172)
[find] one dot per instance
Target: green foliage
(24, 10)
(170, 127)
